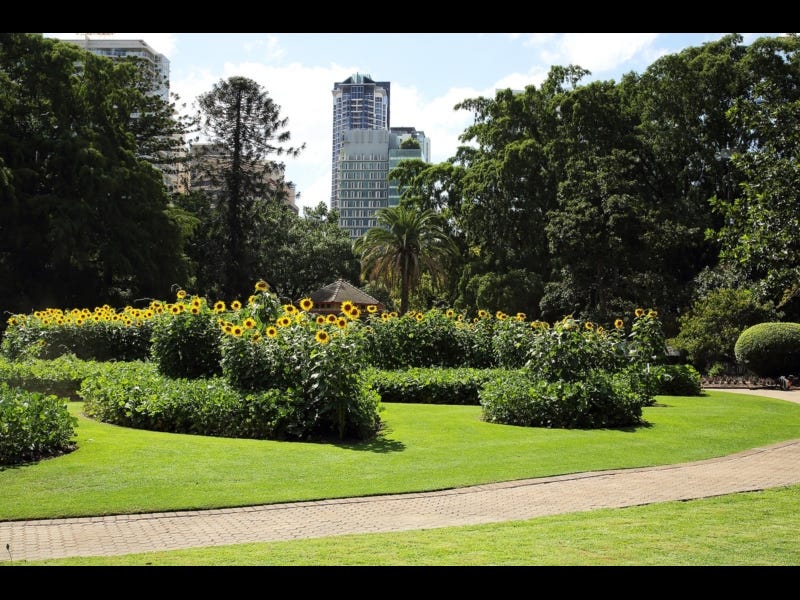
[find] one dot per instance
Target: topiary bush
(770, 349)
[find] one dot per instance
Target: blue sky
(429, 72)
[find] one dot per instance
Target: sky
(429, 73)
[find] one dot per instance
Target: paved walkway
(752, 470)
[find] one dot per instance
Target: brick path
(756, 469)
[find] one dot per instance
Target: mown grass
(117, 470)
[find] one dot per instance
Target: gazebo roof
(340, 291)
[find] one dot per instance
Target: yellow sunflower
(322, 336)
(639, 312)
(271, 331)
(261, 286)
(341, 322)
(284, 321)
(181, 294)
(236, 305)
(372, 309)
(320, 320)
(619, 324)
(219, 306)
(306, 304)
(347, 306)
(249, 323)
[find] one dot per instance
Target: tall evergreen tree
(245, 130)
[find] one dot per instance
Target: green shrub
(770, 349)
(600, 400)
(434, 385)
(417, 339)
(33, 426)
(60, 376)
(86, 339)
(137, 395)
(711, 327)
(186, 344)
(678, 380)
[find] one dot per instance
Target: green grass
(424, 447)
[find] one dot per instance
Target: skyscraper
(359, 102)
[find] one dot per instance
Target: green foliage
(186, 344)
(417, 339)
(406, 243)
(60, 376)
(319, 363)
(600, 400)
(33, 426)
(136, 395)
(431, 385)
(89, 340)
(82, 211)
(678, 380)
(709, 330)
(770, 349)
(244, 208)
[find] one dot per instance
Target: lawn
(427, 447)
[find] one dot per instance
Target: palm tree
(405, 243)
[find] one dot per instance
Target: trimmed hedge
(770, 349)
(431, 385)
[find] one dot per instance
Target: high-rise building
(364, 149)
(157, 63)
(359, 102)
(366, 157)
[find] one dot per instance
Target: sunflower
(256, 337)
(271, 331)
(284, 321)
(175, 309)
(639, 312)
(181, 294)
(393, 314)
(197, 301)
(652, 314)
(331, 318)
(354, 313)
(483, 314)
(249, 323)
(289, 309)
(347, 306)
(341, 322)
(420, 316)
(320, 320)
(385, 316)
(251, 299)
(372, 309)
(261, 286)
(322, 336)
(219, 306)
(237, 330)
(236, 305)
(521, 316)
(306, 304)
(195, 310)
(449, 313)
(619, 324)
